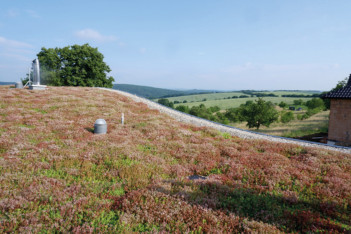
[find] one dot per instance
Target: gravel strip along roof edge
(246, 134)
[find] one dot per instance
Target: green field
(229, 103)
(218, 99)
(296, 128)
(208, 96)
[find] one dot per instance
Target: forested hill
(153, 93)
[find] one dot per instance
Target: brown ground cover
(56, 175)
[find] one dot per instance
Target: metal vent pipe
(100, 126)
(19, 85)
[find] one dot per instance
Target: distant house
(340, 115)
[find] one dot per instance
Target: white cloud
(14, 44)
(90, 34)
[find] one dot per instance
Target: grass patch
(25, 126)
(147, 148)
(296, 128)
(40, 111)
(305, 132)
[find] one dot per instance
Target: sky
(189, 44)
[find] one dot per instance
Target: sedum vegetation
(154, 174)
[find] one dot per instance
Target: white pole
(122, 119)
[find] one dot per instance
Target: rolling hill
(154, 93)
(154, 174)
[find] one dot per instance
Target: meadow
(233, 103)
(155, 174)
(221, 99)
(296, 128)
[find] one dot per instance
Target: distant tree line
(241, 96)
(259, 94)
(301, 95)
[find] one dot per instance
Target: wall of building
(340, 121)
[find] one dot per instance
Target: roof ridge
(343, 93)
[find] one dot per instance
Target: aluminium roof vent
(100, 126)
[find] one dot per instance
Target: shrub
(214, 109)
(282, 104)
(222, 118)
(244, 96)
(309, 113)
(233, 115)
(287, 117)
(315, 103)
(165, 102)
(298, 102)
(183, 108)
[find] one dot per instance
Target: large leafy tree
(77, 65)
(258, 113)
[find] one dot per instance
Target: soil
(321, 137)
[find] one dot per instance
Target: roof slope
(154, 174)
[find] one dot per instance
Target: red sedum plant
(153, 173)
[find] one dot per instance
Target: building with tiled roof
(339, 131)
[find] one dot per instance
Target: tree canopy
(258, 113)
(315, 103)
(77, 65)
(165, 102)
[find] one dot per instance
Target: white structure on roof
(35, 84)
